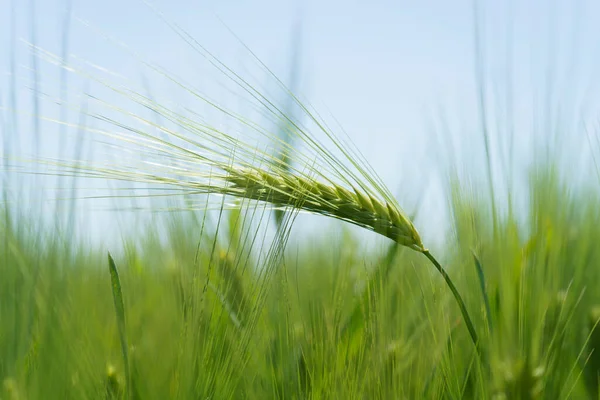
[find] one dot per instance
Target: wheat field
(215, 293)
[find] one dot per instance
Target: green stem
(458, 298)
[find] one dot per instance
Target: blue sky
(395, 74)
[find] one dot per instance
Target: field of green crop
(207, 317)
(222, 304)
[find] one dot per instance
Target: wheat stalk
(355, 207)
(208, 160)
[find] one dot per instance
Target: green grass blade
(283, 130)
(120, 311)
(459, 301)
(486, 300)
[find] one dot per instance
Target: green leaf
(120, 311)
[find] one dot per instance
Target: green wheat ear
(10, 389)
(113, 387)
(202, 159)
